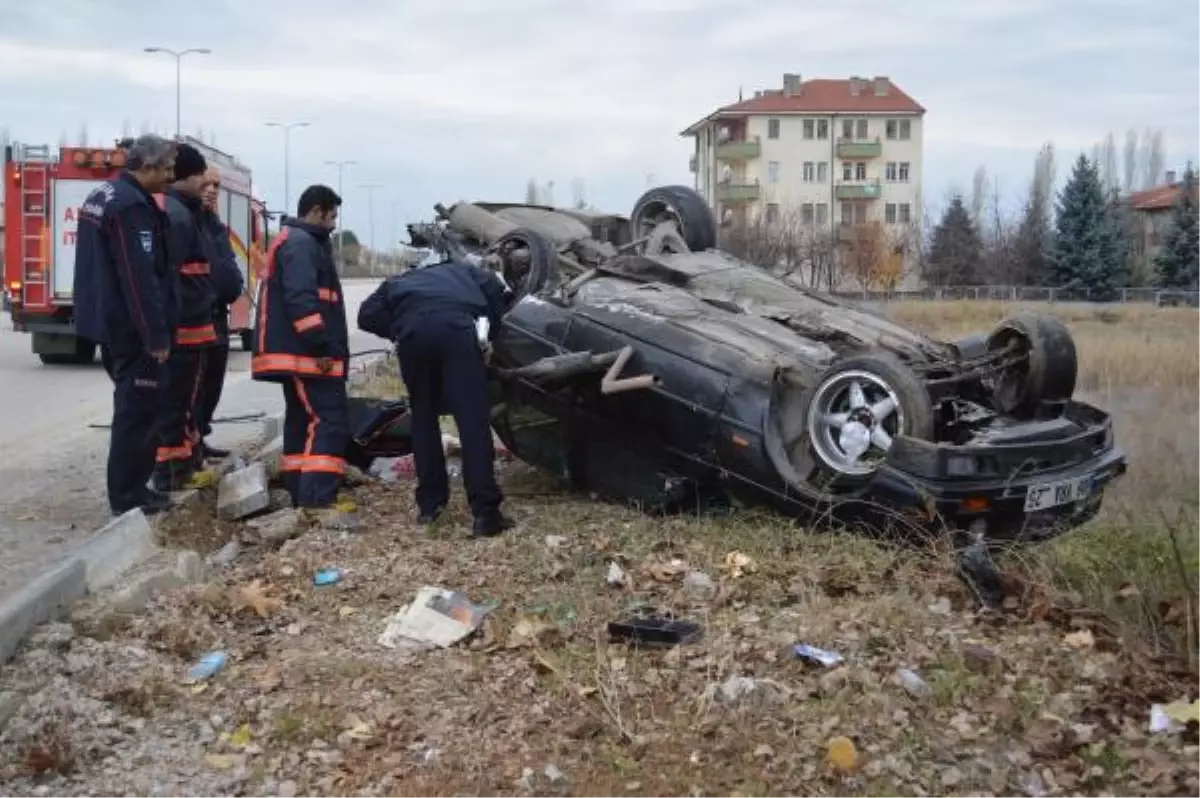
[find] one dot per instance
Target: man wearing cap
(228, 284)
(125, 301)
(191, 259)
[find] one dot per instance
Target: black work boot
(212, 452)
(428, 519)
(490, 525)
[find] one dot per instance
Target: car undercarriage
(641, 362)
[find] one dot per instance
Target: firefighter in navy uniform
(430, 313)
(228, 284)
(191, 257)
(125, 300)
(301, 341)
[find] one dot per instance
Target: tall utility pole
(341, 167)
(370, 189)
(178, 56)
(287, 157)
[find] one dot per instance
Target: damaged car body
(637, 361)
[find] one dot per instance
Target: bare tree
(1104, 155)
(1043, 176)
(1153, 156)
(1130, 156)
(578, 192)
(531, 192)
(979, 190)
(83, 134)
(144, 128)
(548, 194)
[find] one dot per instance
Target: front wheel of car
(1046, 369)
(529, 261)
(860, 405)
(682, 207)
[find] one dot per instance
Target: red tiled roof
(1155, 199)
(824, 96)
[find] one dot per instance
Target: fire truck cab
(43, 190)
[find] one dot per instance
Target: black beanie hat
(188, 162)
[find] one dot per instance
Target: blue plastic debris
(208, 666)
(327, 576)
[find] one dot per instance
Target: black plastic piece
(655, 631)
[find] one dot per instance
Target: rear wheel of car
(681, 206)
(860, 405)
(529, 261)
(1047, 369)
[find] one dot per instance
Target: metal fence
(1028, 293)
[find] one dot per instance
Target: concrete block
(43, 599)
(243, 493)
(189, 566)
(137, 594)
(123, 543)
(272, 427)
(277, 528)
(271, 455)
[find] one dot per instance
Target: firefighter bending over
(228, 285)
(301, 341)
(431, 313)
(190, 253)
(125, 300)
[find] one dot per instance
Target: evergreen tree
(1085, 245)
(1033, 243)
(1116, 248)
(955, 251)
(1178, 262)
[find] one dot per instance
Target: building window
(823, 129)
(806, 213)
(847, 128)
(860, 130)
(809, 171)
(772, 128)
(822, 214)
(890, 171)
(808, 128)
(889, 213)
(847, 170)
(905, 214)
(905, 129)
(822, 171)
(772, 213)
(891, 129)
(847, 213)
(772, 171)
(904, 171)
(860, 170)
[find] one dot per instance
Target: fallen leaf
(736, 563)
(347, 611)
(666, 571)
(543, 663)
(842, 755)
(199, 688)
(240, 738)
(1081, 639)
(254, 596)
(358, 729)
(1182, 711)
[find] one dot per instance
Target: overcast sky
(439, 101)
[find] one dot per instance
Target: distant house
(1152, 217)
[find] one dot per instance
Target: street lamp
(178, 56)
(341, 166)
(370, 189)
(287, 156)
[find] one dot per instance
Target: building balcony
(848, 148)
(737, 192)
(739, 150)
(858, 190)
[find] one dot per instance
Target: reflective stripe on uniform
(195, 336)
(195, 268)
(327, 295)
(295, 364)
(310, 463)
(309, 322)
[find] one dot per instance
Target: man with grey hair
(125, 300)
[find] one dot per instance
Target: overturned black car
(641, 363)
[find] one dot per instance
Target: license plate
(1052, 494)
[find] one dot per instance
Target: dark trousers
(137, 387)
(216, 362)
(442, 367)
(177, 417)
(316, 429)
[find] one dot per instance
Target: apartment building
(836, 152)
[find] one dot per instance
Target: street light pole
(370, 189)
(341, 166)
(287, 157)
(178, 56)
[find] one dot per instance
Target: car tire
(1047, 375)
(542, 272)
(689, 210)
(879, 377)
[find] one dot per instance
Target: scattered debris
(243, 493)
(436, 617)
(555, 541)
(226, 554)
(616, 576)
(254, 597)
(978, 571)
(655, 631)
(1173, 717)
(913, 684)
(277, 528)
(208, 666)
(737, 563)
(817, 656)
(554, 774)
(699, 584)
(841, 754)
(1079, 640)
(327, 576)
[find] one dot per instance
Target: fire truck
(44, 188)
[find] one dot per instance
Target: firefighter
(228, 285)
(431, 314)
(301, 341)
(191, 258)
(125, 300)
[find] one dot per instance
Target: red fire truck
(43, 190)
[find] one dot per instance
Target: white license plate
(1045, 495)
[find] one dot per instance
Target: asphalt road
(52, 464)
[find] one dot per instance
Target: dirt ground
(1041, 699)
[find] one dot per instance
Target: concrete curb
(120, 546)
